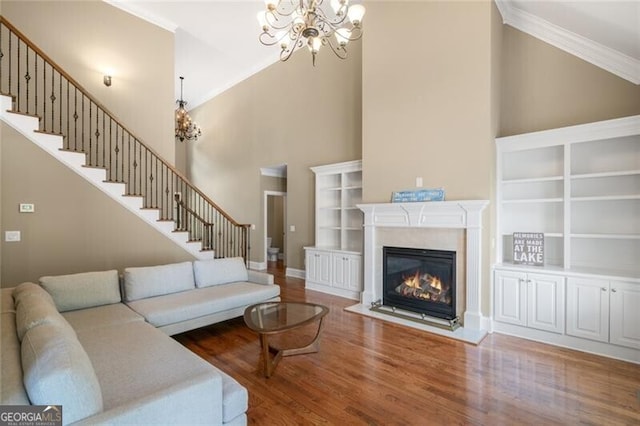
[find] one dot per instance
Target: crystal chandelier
(295, 23)
(185, 127)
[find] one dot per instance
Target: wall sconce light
(107, 80)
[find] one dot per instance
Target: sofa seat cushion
(150, 281)
(146, 376)
(101, 316)
(84, 290)
(177, 307)
(57, 371)
(235, 399)
(219, 271)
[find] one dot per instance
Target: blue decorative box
(417, 195)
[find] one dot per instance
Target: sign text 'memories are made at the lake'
(528, 248)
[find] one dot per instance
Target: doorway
(275, 208)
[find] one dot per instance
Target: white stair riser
(28, 126)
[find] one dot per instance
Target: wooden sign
(417, 195)
(528, 248)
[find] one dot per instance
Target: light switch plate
(27, 208)
(12, 236)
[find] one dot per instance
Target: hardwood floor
(373, 372)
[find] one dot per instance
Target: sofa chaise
(98, 345)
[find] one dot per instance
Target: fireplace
(443, 225)
(420, 280)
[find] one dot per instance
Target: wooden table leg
(269, 364)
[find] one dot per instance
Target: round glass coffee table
(271, 318)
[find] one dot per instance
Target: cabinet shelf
(607, 198)
(606, 174)
(533, 200)
(532, 180)
(607, 236)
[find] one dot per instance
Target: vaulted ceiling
(217, 45)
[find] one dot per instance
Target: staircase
(52, 110)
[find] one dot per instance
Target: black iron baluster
(53, 99)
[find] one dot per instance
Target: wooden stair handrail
(86, 93)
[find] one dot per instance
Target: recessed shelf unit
(578, 185)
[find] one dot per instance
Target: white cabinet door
(319, 267)
(346, 271)
(588, 308)
(545, 302)
(624, 308)
(510, 304)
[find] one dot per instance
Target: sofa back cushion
(219, 271)
(84, 290)
(35, 307)
(57, 371)
(150, 281)
(12, 391)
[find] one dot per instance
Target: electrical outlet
(292, 228)
(419, 182)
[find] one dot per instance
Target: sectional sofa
(97, 344)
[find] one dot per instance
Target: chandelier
(295, 23)
(185, 127)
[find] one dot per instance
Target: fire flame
(414, 281)
(424, 286)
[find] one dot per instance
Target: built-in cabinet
(580, 187)
(334, 264)
(604, 310)
(530, 300)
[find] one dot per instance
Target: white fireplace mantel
(463, 214)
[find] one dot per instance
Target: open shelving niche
(580, 186)
(334, 264)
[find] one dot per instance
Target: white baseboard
(258, 266)
(296, 273)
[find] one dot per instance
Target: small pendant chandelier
(185, 127)
(295, 23)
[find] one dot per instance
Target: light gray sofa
(71, 341)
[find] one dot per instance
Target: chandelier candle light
(185, 127)
(295, 23)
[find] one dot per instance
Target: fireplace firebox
(420, 280)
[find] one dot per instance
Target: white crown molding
(595, 53)
(142, 14)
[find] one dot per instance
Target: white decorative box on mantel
(384, 220)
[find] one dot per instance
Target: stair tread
(24, 113)
(44, 132)
(13, 97)
(87, 166)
